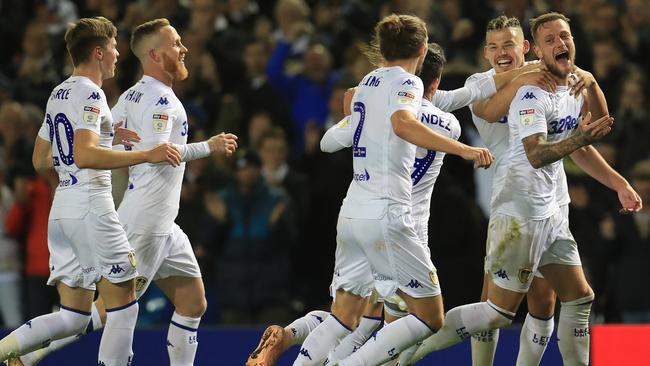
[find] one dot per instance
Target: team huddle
(387, 307)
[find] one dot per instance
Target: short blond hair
(141, 32)
(86, 34)
(535, 23)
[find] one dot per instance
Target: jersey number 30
(55, 134)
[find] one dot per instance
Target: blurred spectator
(250, 230)
(629, 240)
(27, 220)
(10, 268)
(632, 123)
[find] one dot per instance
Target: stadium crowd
(274, 72)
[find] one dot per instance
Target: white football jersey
(474, 90)
(78, 103)
(381, 160)
(427, 164)
(524, 191)
(152, 197)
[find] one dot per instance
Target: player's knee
(542, 307)
(193, 309)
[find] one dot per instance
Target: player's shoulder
(480, 76)
(402, 78)
(530, 93)
(86, 91)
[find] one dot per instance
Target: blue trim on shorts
(121, 307)
(425, 323)
(377, 318)
(340, 322)
(185, 327)
(74, 310)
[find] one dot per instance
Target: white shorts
(564, 209)
(86, 248)
(517, 248)
(385, 254)
(162, 256)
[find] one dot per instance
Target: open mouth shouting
(562, 57)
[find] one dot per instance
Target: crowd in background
(263, 223)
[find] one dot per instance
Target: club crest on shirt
(524, 275)
(91, 114)
(527, 116)
(404, 97)
(160, 122)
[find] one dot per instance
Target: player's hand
(166, 152)
(580, 80)
(630, 200)
(481, 157)
(540, 78)
(347, 101)
(590, 131)
(124, 136)
(223, 143)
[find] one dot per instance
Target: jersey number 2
(359, 151)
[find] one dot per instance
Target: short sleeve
(45, 132)
(528, 111)
(406, 94)
(91, 109)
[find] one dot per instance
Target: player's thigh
(113, 254)
(541, 298)
(568, 281)
(352, 268)
(186, 293)
(71, 261)
(429, 309)
(179, 259)
(409, 258)
(514, 249)
(77, 298)
(116, 294)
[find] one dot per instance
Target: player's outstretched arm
(88, 155)
(590, 160)
(42, 155)
(540, 152)
(338, 137)
(407, 127)
(494, 108)
(585, 82)
(222, 143)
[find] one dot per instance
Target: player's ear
(526, 46)
(99, 53)
(537, 51)
(153, 55)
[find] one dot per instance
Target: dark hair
(144, 30)
(86, 34)
(396, 37)
(535, 23)
(433, 64)
(502, 22)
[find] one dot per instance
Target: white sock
(573, 331)
(484, 346)
(35, 357)
(301, 327)
(39, 332)
(115, 346)
(535, 334)
(461, 322)
(182, 340)
(389, 342)
(356, 339)
(320, 341)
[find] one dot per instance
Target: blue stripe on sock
(121, 307)
(377, 318)
(505, 315)
(340, 322)
(185, 327)
(540, 318)
(74, 310)
(425, 323)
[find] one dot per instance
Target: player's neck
(409, 65)
(561, 81)
(160, 75)
(92, 73)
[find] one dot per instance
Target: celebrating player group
(399, 128)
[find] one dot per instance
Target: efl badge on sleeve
(527, 117)
(91, 114)
(404, 97)
(524, 275)
(160, 122)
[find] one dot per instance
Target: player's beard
(175, 68)
(553, 69)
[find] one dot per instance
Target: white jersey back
(78, 103)
(151, 201)
(525, 191)
(427, 164)
(382, 161)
